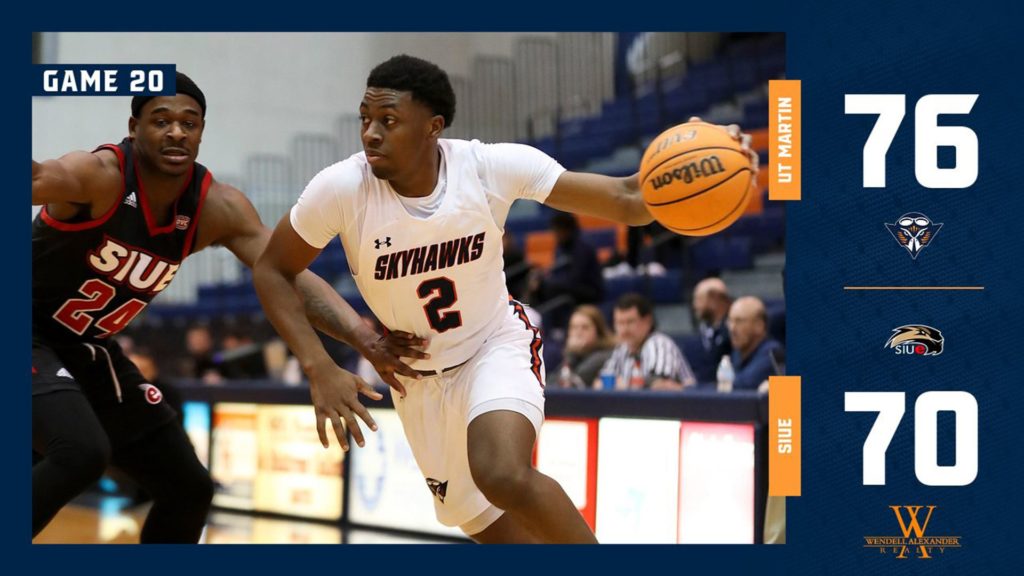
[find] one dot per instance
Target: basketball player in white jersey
(421, 220)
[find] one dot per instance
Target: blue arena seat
(731, 252)
(601, 238)
(616, 287)
(693, 351)
(667, 288)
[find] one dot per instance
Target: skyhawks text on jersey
(424, 259)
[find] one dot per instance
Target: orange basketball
(695, 179)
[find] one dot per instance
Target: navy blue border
(849, 46)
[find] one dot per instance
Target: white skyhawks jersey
(439, 277)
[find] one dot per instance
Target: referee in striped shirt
(644, 358)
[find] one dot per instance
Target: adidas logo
(131, 200)
(63, 373)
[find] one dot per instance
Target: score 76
(928, 137)
(890, 407)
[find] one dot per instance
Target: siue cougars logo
(132, 267)
(919, 340)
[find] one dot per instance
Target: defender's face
(397, 132)
(167, 133)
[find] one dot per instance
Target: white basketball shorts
(507, 373)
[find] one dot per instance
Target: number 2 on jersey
(440, 319)
(97, 295)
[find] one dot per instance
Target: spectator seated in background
(752, 348)
(587, 348)
(241, 358)
(575, 274)
(517, 269)
(711, 307)
(650, 251)
(644, 358)
(199, 362)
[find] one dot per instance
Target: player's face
(398, 133)
(582, 332)
(631, 328)
(167, 133)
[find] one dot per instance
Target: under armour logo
(385, 242)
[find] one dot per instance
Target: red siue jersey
(91, 277)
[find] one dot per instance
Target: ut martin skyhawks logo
(914, 231)
(914, 540)
(438, 488)
(915, 339)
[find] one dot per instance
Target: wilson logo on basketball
(152, 393)
(703, 168)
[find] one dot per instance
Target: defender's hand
(386, 352)
(335, 394)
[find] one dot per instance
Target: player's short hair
(633, 300)
(426, 81)
(182, 85)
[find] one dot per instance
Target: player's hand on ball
(335, 393)
(386, 352)
(744, 139)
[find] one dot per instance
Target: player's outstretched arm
(335, 392)
(616, 199)
(75, 178)
(245, 235)
(229, 219)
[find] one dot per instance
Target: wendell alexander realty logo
(915, 541)
(915, 339)
(914, 231)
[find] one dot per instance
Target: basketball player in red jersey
(421, 220)
(115, 226)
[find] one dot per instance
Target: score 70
(928, 137)
(890, 407)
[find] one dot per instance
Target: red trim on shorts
(194, 226)
(79, 226)
(537, 363)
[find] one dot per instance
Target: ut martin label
(104, 80)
